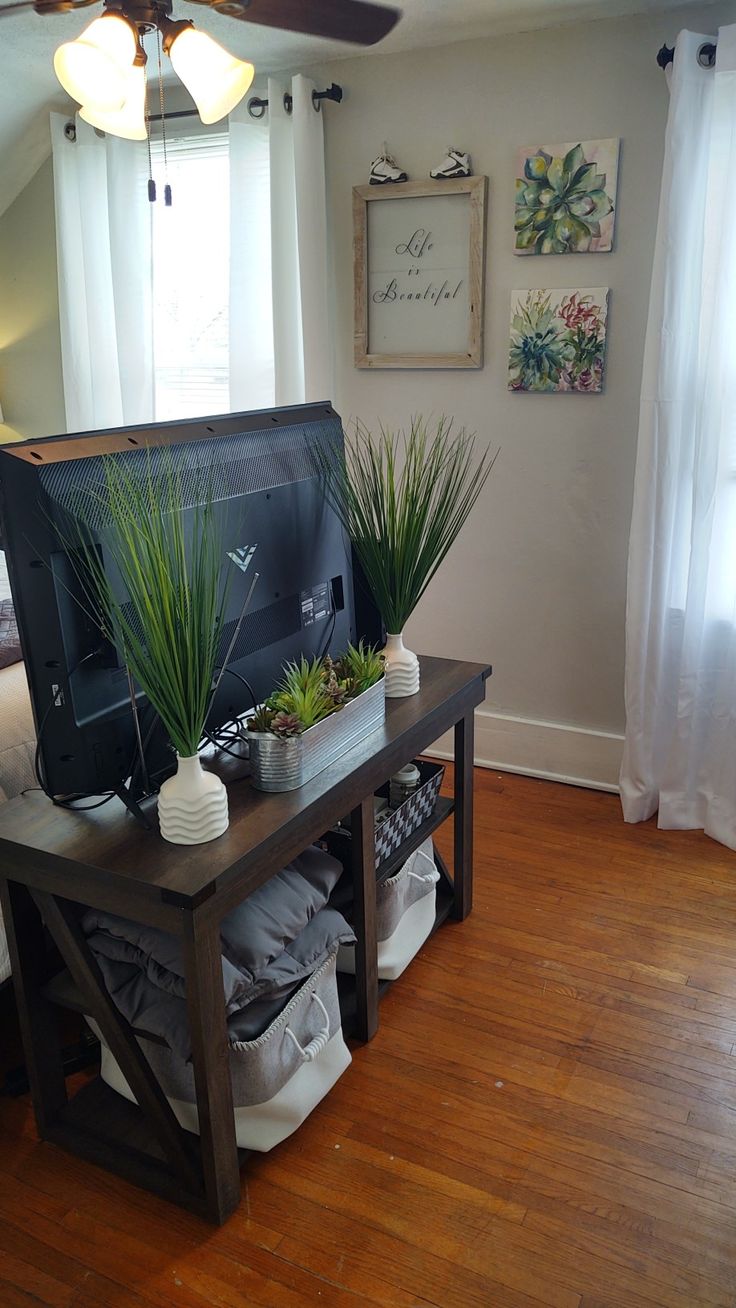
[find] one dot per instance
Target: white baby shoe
(455, 164)
(385, 169)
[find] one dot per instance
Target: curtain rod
(174, 113)
(257, 107)
(706, 55)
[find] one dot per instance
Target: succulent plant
(312, 690)
(262, 719)
(336, 689)
(560, 202)
(303, 693)
(361, 666)
(286, 724)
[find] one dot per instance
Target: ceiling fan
(104, 68)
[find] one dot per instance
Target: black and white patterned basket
(415, 810)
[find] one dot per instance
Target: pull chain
(151, 182)
(167, 187)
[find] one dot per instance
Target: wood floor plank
(32, 1280)
(546, 1118)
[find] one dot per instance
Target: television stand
(54, 863)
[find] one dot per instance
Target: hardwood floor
(547, 1115)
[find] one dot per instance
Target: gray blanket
(270, 944)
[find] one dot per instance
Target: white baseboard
(554, 751)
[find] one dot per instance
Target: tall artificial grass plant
(403, 498)
(166, 615)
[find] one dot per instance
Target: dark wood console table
(53, 861)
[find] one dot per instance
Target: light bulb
(93, 69)
(215, 79)
(129, 121)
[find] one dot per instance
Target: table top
(265, 831)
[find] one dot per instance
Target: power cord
(214, 737)
(247, 684)
(71, 802)
(213, 740)
(331, 629)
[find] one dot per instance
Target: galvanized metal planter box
(279, 763)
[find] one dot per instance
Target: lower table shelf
(101, 1126)
(62, 991)
(97, 1124)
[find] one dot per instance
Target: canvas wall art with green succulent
(566, 198)
(558, 340)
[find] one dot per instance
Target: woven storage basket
(415, 810)
(278, 1079)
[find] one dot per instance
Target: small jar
(403, 784)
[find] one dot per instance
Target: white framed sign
(419, 268)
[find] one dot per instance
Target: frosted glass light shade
(94, 68)
(129, 121)
(215, 79)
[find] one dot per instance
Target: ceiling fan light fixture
(129, 121)
(94, 68)
(214, 78)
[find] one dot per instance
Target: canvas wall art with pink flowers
(566, 198)
(558, 340)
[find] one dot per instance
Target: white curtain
(251, 316)
(279, 317)
(103, 240)
(680, 750)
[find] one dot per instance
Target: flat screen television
(275, 520)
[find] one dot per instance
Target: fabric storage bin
(406, 906)
(278, 1078)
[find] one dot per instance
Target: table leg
(63, 921)
(364, 898)
(211, 1066)
(38, 1023)
(464, 759)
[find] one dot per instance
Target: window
(191, 277)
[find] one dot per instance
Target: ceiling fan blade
(358, 21)
(12, 9)
(44, 7)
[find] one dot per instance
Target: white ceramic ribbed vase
(402, 668)
(192, 805)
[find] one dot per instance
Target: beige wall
(30, 349)
(536, 585)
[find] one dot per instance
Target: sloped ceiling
(28, 88)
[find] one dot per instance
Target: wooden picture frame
(419, 273)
